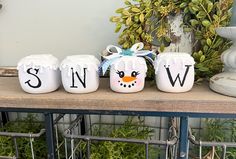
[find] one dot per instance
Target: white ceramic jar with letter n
(39, 73)
(79, 73)
(174, 72)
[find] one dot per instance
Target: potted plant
(149, 22)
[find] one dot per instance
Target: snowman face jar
(127, 74)
(174, 72)
(39, 73)
(79, 73)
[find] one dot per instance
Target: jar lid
(169, 58)
(127, 63)
(39, 61)
(81, 61)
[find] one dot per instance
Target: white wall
(59, 27)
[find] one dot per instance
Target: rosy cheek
(139, 81)
(115, 80)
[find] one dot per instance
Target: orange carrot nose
(128, 79)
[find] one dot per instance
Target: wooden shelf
(199, 100)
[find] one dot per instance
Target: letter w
(178, 76)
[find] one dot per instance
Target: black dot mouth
(127, 85)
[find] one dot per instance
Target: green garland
(147, 21)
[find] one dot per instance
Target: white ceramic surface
(174, 72)
(127, 74)
(79, 73)
(225, 82)
(39, 73)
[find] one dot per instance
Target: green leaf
(202, 58)
(167, 39)
(194, 22)
(136, 10)
(195, 8)
(209, 42)
(127, 2)
(125, 12)
(209, 6)
(206, 23)
(157, 4)
(120, 10)
(186, 10)
(218, 43)
(115, 19)
(141, 17)
(204, 69)
(205, 48)
(139, 31)
(118, 27)
(148, 15)
(187, 29)
(132, 38)
(195, 1)
(216, 17)
(212, 29)
(183, 5)
(128, 21)
(126, 45)
(201, 15)
(136, 18)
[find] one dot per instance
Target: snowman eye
(121, 74)
(134, 73)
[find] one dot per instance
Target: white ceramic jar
(174, 72)
(127, 74)
(79, 73)
(39, 73)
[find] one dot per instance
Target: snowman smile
(127, 85)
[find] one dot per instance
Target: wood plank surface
(8, 72)
(199, 100)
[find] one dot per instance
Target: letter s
(35, 75)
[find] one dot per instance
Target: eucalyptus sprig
(202, 17)
(147, 20)
(144, 20)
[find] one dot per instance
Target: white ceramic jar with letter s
(174, 72)
(39, 73)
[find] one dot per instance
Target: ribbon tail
(150, 60)
(105, 65)
(149, 55)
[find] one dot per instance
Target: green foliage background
(29, 124)
(132, 128)
(147, 21)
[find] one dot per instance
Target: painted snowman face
(128, 74)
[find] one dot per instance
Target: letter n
(81, 80)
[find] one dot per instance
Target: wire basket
(17, 143)
(214, 139)
(86, 138)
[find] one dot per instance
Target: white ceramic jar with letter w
(174, 72)
(79, 73)
(39, 73)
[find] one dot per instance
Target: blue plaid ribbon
(135, 50)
